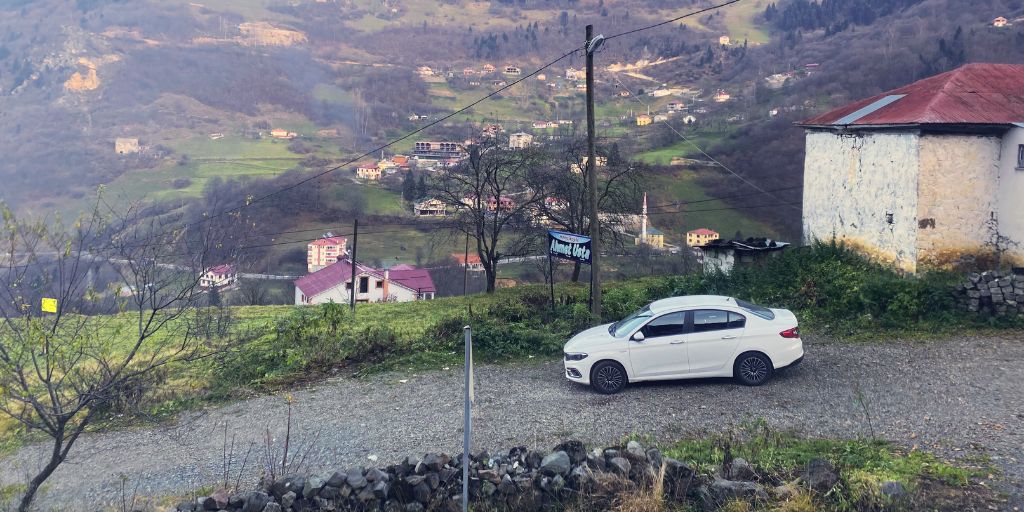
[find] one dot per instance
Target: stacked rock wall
(996, 293)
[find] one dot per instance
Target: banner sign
(569, 246)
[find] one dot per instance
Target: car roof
(689, 301)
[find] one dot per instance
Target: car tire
(753, 369)
(608, 377)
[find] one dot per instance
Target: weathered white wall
(851, 183)
(1011, 195)
(957, 198)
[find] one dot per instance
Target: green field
(739, 21)
(683, 185)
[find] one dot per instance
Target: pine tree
(408, 187)
(421, 187)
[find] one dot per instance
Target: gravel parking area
(957, 397)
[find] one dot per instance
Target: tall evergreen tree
(408, 187)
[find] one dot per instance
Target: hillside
(196, 83)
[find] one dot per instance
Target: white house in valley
(333, 283)
(930, 175)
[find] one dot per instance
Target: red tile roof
(334, 240)
(702, 231)
(970, 94)
(407, 276)
(415, 279)
(223, 269)
(329, 277)
(460, 258)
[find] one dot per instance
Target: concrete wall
(1011, 195)
(852, 182)
(957, 198)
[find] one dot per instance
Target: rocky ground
(956, 397)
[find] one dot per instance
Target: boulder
(654, 455)
(289, 483)
(575, 449)
(636, 449)
(330, 492)
(380, 489)
(506, 486)
(255, 501)
(374, 475)
(557, 463)
(722, 490)
(534, 459)
(820, 475)
(414, 507)
(355, 479)
(785, 492)
(435, 461)
(272, 507)
(208, 503)
(186, 506)
(421, 493)
(740, 469)
(288, 499)
(337, 479)
(619, 466)
(313, 485)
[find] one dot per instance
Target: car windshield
(754, 309)
(626, 325)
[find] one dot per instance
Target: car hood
(591, 339)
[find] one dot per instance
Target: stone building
(929, 175)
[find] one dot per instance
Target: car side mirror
(638, 336)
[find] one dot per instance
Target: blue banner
(569, 246)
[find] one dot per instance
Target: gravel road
(956, 397)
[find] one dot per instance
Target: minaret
(643, 222)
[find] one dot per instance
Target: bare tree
(618, 193)
(59, 369)
(496, 192)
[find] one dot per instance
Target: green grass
(740, 22)
(863, 464)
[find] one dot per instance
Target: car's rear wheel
(608, 377)
(753, 369)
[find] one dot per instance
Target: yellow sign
(49, 305)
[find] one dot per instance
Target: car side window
(737, 321)
(671, 324)
(705, 320)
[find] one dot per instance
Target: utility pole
(465, 269)
(355, 241)
(595, 225)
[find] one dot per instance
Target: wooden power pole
(595, 224)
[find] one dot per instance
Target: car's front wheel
(752, 369)
(608, 377)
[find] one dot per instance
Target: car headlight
(575, 356)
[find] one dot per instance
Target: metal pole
(465, 269)
(467, 427)
(551, 280)
(355, 241)
(595, 225)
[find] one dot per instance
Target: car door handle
(729, 337)
(677, 342)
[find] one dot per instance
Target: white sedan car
(686, 337)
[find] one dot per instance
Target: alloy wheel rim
(609, 378)
(754, 369)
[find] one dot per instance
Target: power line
(683, 203)
(251, 201)
(666, 22)
(690, 142)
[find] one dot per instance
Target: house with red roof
(929, 175)
(333, 283)
(470, 262)
(699, 237)
(325, 251)
(218, 276)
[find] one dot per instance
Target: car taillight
(791, 333)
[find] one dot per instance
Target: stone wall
(996, 293)
(521, 480)
(957, 198)
(861, 188)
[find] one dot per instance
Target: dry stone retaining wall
(996, 293)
